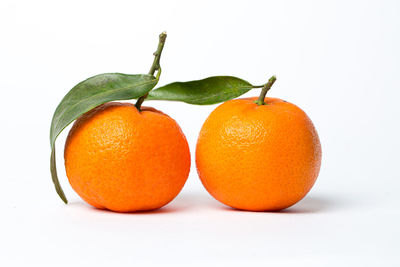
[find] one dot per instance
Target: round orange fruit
(120, 159)
(258, 157)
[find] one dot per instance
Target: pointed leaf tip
(89, 94)
(208, 91)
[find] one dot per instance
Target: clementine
(258, 156)
(123, 159)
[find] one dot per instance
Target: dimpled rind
(120, 159)
(258, 158)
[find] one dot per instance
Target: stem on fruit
(266, 87)
(155, 66)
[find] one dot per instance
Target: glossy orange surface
(258, 158)
(120, 159)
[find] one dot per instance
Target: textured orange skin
(258, 158)
(120, 159)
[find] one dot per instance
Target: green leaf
(208, 91)
(89, 94)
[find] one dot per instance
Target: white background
(338, 60)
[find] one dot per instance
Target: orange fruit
(120, 159)
(258, 157)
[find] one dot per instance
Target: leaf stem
(266, 87)
(155, 66)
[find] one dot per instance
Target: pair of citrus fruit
(249, 156)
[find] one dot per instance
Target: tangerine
(258, 157)
(124, 160)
